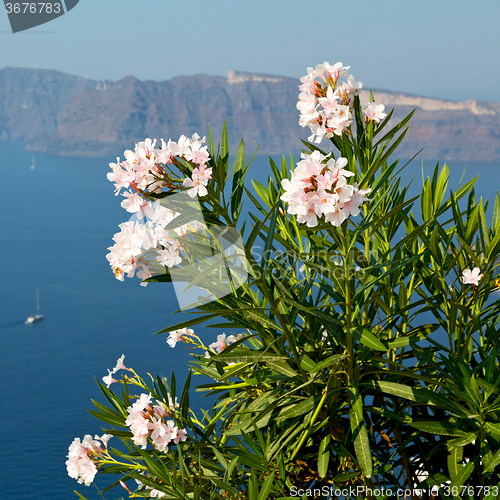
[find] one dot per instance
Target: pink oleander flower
(120, 177)
(168, 257)
(197, 186)
(133, 202)
(154, 493)
(197, 153)
(143, 274)
(374, 112)
(309, 217)
(83, 457)
(202, 172)
(178, 336)
(324, 338)
(123, 485)
(104, 438)
(108, 379)
(119, 364)
(471, 277)
(181, 435)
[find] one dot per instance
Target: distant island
(61, 114)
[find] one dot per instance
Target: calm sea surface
(55, 226)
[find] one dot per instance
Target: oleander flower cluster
(84, 457)
(326, 103)
(145, 244)
(141, 245)
(149, 170)
(149, 421)
(188, 335)
(319, 188)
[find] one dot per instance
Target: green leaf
(496, 214)
(495, 460)
(330, 361)
(463, 440)
(239, 172)
(492, 428)
(282, 367)
(443, 428)
(266, 487)
(243, 355)
(413, 336)
(324, 456)
(251, 313)
(426, 201)
(455, 456)
(78, 494)
(158, 278)
(394, 130)
(463, 474)
(305, 406)
(211, 147)
(441, 186)
(220, 457)
(262, 192)
(368, 339)
(418, 395)
(400, 417)
(360, 434)
(492, 248)
(188, 323)
(307, 364)
(486, 454)
(269, 241)
(224, 146)
(230, 469)
(404, 341)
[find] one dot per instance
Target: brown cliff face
(449, 130)
(32, 101)
(62, 114)
(112, 116)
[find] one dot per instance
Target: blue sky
(439, 48)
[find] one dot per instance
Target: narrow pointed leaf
(324, 456)
(360, 434)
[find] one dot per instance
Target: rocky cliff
(55, 113)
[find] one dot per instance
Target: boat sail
(37, 316)
(32, 163)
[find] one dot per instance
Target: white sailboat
(32, 163)
(37, 316)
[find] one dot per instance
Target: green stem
(348, 312)
(311, 423)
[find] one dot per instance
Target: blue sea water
(56, 223)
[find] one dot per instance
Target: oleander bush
(362, 350)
